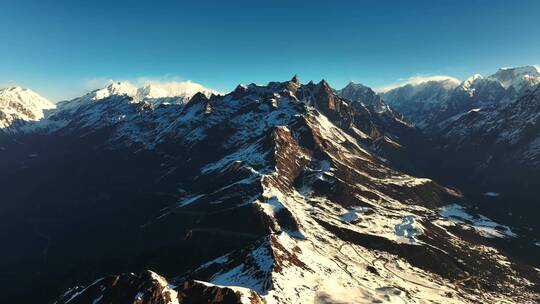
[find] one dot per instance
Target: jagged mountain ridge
(299, 165)
(140, 121)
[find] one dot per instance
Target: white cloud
(96, 83)
(160, 80)
(166, 82)
(163, 86)
(100, 82)
(416, 80)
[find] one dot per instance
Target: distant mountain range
(276, 193)
(430, 103)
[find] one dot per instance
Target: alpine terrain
(276, 193)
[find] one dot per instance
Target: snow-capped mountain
(152, 93)
(473, 93)
(416, 101)
(429, 103)
(138, 110)
(173, 91)
(282, 193)
(184, 90)
(520, 78)
(19, 104)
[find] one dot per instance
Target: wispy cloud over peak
(168, 83)
(416, 80)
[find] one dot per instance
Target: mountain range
(431, 102)
(276, 193)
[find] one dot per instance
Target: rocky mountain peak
(359, 93)
(355, 85)
(323, 84)
(295, 79)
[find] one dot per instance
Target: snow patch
(481, 224)
(353, 214)
(408, 229)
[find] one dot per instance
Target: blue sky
(63, 48)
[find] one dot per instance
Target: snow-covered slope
(289, 176)
(19, 104)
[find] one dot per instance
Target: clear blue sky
(61, 48)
